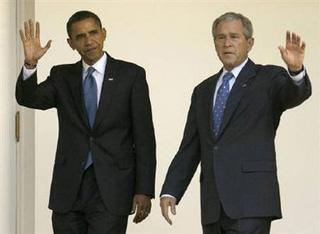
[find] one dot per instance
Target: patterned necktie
(90, 98)
(220, 103)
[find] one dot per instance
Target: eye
(80, 37)
(220, 37)
(94, 32)
(234, 36)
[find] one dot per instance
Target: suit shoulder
(128, 65)
(204, 83)
(62, 67)
(269, 68)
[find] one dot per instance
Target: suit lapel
(208, 105)
(236, 93)
(108, 86)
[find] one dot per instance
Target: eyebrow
(80, 35)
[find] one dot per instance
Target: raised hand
(293, 53)
(33, 50)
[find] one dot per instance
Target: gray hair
(230, 16)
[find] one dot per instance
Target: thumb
(282, 50)
(173, 208)
(48, 45)
(134, 207)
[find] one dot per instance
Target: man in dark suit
(105, 160)
(230, 131)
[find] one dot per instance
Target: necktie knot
(89, 72)
(227, 77)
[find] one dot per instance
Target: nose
(88, 40)
(227, 42)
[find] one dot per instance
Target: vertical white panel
(25, 147)
(7, 113)
(172, 40)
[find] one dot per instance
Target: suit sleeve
(33, 95)
(286, 93)
(185, 162)
(143, 136)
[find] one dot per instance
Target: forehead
(84, 26)
(230, 26)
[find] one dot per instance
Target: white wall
(7, 113)
(172, 40)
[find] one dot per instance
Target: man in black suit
(105, 160)
(230, 131)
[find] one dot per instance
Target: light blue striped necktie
(220, 103)
(90, 98)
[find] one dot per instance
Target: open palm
(293, 53)
(30, 38)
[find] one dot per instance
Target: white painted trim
(25, 214)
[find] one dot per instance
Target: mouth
(90, 50)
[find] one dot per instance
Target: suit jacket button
(91, 140)
(215, 148)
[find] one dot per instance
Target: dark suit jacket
(122, 139)
(238, 167)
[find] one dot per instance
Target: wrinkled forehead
(229, 26)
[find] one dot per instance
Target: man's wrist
(295, 71)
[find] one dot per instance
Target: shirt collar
(99, 66)
(235, 71)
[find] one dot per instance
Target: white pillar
(7, 110)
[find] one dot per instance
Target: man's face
(231, 45)
(87, 38)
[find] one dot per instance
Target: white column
(25, 148)
(7, 110)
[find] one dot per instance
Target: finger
(31, 26)
(141, 214)
(37, 30)
(22, 36)
(140, 217)
(164, 211)
(47, 46)
(294, 38)
(303, 45)
(282, 50)
(26, 30)
(140, 209)
(173, 208)
(288, 38)
(298, 40)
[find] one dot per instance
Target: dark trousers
(88, 215)
(225, 225)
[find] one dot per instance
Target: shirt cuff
(27, 73)
(298, 78)
(167, 195)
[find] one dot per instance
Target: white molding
(25, 215)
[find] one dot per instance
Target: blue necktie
(90, 98)
(220, 103)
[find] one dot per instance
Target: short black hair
(79, 16)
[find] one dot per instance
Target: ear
(104, 33)
(250, 43)
(70, 43)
